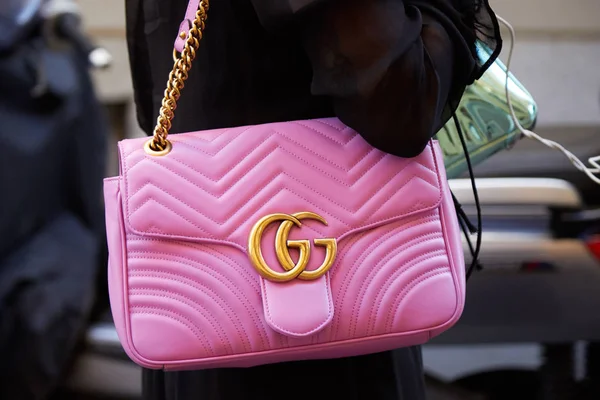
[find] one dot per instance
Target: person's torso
(242, 75)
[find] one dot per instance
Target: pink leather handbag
(285, 241)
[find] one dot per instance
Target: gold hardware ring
(282, 246)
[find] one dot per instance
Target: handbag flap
(215, 185)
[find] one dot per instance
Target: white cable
(594, 161)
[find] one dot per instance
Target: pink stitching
(198, 285)
(410, 243)
(338, 128)
(154, 310)
(149, 199)
(307, 149)
(354, 230)
(251, 280)
(377, 190)
(414, 283)
(168, 294)
(391, 279)
(392, 230)
(312, 128)
(406, 245)
(198, 136)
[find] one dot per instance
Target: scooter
(53, 136)
(528, 330)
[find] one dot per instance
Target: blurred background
(531, 326)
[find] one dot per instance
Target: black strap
(465, 224)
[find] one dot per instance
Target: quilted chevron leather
(184, 293)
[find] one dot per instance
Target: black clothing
(392, 375)
(52, 227)
(387, 68)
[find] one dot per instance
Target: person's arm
(392, 67)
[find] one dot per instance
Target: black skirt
(391, 375)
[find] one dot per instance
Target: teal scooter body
(484, 118)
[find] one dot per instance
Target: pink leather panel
(212, 296)
(454, 249)
(320, 166)
(187, 295)
(116, 268)
(299, 308)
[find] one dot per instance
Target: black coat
(393, 70)
(52, 240)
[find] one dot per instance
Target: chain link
(177, 77)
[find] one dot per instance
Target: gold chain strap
(159, 145)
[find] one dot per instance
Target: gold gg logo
(282, 246)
